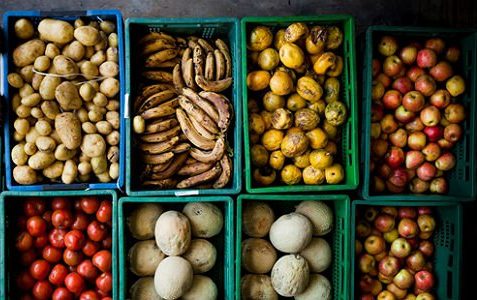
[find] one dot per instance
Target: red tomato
(90, 248)
(105, 282)
(28, 257)
(107, 298)
(47, 216)
(74, 240)
(51, 254)
(72, 258)
(89, 295)
(24, 241)
(81, 221)
(62, 218)
(89, 205)
(25, 281)
(58, 274)
(62, 293)
(60, 203)
(39, 269)
(87, 269)
(97, 231)
(41, 241)
(42, 290)
(74, 283)
(102, 260)
(34, 207)
(36, 226)
(105, 211)
(57, 238)
(77, 205)
(107, 242)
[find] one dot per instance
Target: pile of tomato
(64, 247)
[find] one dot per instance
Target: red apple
(416, 140)
(413, 242)
(367, 297)
(419, 186)
(424, 210)
(390, 236)
(403, 279)
(384, 79)
(426, 58)
(426, 223)
(407, 212)
(374, 244)
(390, 210)
(445, 144)
(384, 223)
(403, 115)
(380, 256)
(424, 280)
(397, 292)
(378, 184)
(452, 54)
(363, 229)
(431, 152)
(425, 235)
(377, 112)
(414, 159)
(427, 248)
(403, 85)
(408, 54)
(407, 228)
(438, 185)
(414, 72)
(387, 45)
(455, 85)
(389, 266)
(385, 279)
(434, 133)
(416, 261)
(392, 188)
(440, 99)
(377, 91)
(411, 174)
(384, 171)
(400, 248)
(365, 283)
(426, 171)
(376, 67)
(414, 125)
(453, 132)
(377, 288)
(430, 116)
(425, 296)
(399, 177)
(392, 66)
(442, 71)
(446, 162)
(386, 295)
(395, 157)
(426, 85)
(366, 263)
(388, 124)
(455, 113)
(413, 101)
(398, 138)
(436, 44)
(379, 147)
(392, 99)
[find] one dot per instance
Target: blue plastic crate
(35, 16)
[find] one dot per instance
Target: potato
(109, 87)
(42, 63)
(104, 127)
(68, 127)
(26, 53)
(87, 92)
(79, 22)
(113, 154)
(89, 70)
(54, 171)
(88, 127)
(84, 168)
(22, 126)
(83, 157)
(70, 171)
(32, 135)
(103, 42)
(100, 100)
(112, 54)
(31, 100)
(52, 50)
(36, 81)
(65, 66)
(87, 35)
(19, 157)
(82, 115)
(45, 143)
(26, 90)
(109, 69)
(93, 145)
(27, 73)
(112, 105)
(206, 219)
(16, 101)
(107, 26)
(84, 178)
(114, 171)
(173, 233)
(89, 52)
(24, 175)
(50, 109)
(15, 80)
(23, 111)
(67, 96)
(139, 124)
(113, 138)
(24, 29)
(99, 164)
(54, 135)
(113, 118)
(30, 148)
(18, 137)
(95, 115)
(201, 255)
(144, 257)
(98, 58)
(55, 31)
(113, 39)
(41, 160)
(48, 86)
(74, 50)
(103, 177)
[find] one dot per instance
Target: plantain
(222, 104)
(181, 42)
(197, 113)
(198, 59)
(192, 181)
(210, 66)
(194, 168)
(157, 45)
(212, 85)
(169, 63)
(192, 41)
(155, 100)
(194, 137)
(185, 57)
(191, 160)
(155, 36)
(148, 91)
(154, 60)
(210, 156)
(202, 103)
(201, 129)
(188, 74)
(220, 67)
(181, 148)
(161, 76)
(167, 183)
(161, 125)
(158, 148)
(177, 78)
(157, 168)
(156, 159)
(161, 136)
(205, 45)
(225, 176)
(226, 52)
(163, 110)
(172, 169)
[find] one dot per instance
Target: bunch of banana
(181, 121)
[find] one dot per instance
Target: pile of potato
(66, 103)
(173, 252)
(181, 118)
(295, 111)
(296, 237)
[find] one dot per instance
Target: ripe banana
(161, 76)
(188, 74)
(161, 136)
(210, 66)
(212, 86)
(198, 59)
(210, 156)
(155, 100)
(198, 114)
(148, 91)
(167, 183)
(185, 57)
(191, 160)
(192, 41)
(177, 78)
(181, 148)
(153, 60)
(149, 169)
(157, 45)
(161, 125)
(222, 104)
(172, 169)
(204, 44)
(194, 169)
(226, 52)
(225, 176)
(181, 42)
(156, 159)
(201, 178)
(202, 103)
(163, 110)
(194, 137)
(169, 63)
(219, 66)
(158, 148)
(154, 36)
(201, 129)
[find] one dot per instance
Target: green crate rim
(114, 198)
(456, 274)
(366, 117)
(228, 227)
(345, 268)
(352, 180)
(236, 182)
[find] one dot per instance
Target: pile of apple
(394, 252)
(416, 115)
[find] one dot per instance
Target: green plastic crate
(339, 238)
(10, 205)
(463, 177)
(225, 28)
(222, 273)
(348, 92)
(447, 244)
